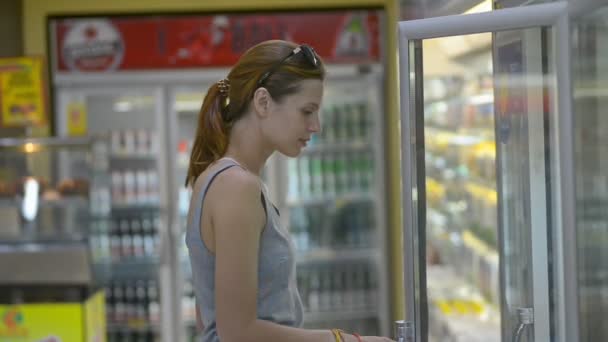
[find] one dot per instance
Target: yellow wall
(35, 13)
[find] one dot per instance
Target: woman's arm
(238, 218)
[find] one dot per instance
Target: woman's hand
(352, 338)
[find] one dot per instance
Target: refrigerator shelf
(133, 157)
(342, 146)
(327, 198)
(324, 316)
(122, 208)
(336, 255)
(67, 201)
(132, 327)
(129, 269)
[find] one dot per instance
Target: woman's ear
(261, 101)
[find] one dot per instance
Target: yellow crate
(55, 322)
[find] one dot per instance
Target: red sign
(173, 42)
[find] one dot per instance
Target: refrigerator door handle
(404, 331)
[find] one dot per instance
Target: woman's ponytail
(228, 100)
(211, 139)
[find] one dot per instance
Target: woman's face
(294, 119)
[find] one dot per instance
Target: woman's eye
(307, 112)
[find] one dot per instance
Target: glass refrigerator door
(185, 104)
(484, 169)
(334, 196)
(137, 288)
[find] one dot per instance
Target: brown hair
(217, 116)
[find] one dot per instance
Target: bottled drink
(109, 294)
(292, 189)
(119, 305)
(188, 302)
(326, 290)
(337, 286)
(141, 186)
(355, 114)
(329, 179)
(129, 301)
(129, 187)
(317, 176)
(115, 242)
(349, 288)
(117, 187)
(304, 176)
(153, 303)
(142, 302)
(116, 141)
(363, 120)
(339, 174)
(129, 141)
(137, 238)
(148, 236)
(142, 142)
(329, 129)
(360, 293)
(339, 124)
(126, 241)
(153, 191)
(349, 123)
(314, 294)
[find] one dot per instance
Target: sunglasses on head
(309, 54)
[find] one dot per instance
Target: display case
(53, 194)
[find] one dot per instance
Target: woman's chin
(292, 153)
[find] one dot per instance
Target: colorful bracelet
(338, 335)
(358, 337)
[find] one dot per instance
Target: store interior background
(470, 58)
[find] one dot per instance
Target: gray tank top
(278, 299)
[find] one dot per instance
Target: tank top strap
(224, 164)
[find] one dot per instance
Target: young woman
(242, 260)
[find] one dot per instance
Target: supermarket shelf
(133, 157)
(347, 197)
(324, 316)
(337, 147)
(143, 268)
(122, 208)
(336, 254)
(132, 327)
(67, 201)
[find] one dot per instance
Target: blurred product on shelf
(140, 142)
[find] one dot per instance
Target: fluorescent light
(484, 6)
(123, 106)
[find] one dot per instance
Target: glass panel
(590, 76)
(130, 120)
(485, 124)
(523, 116)
(186, 105)
(50, 189)
(461, 192)
(334, 191)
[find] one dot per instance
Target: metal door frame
(557, 16)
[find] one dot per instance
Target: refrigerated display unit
(146, 101)
(491, 165)
(53, 204)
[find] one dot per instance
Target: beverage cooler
(139, 82)
(494, 219)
